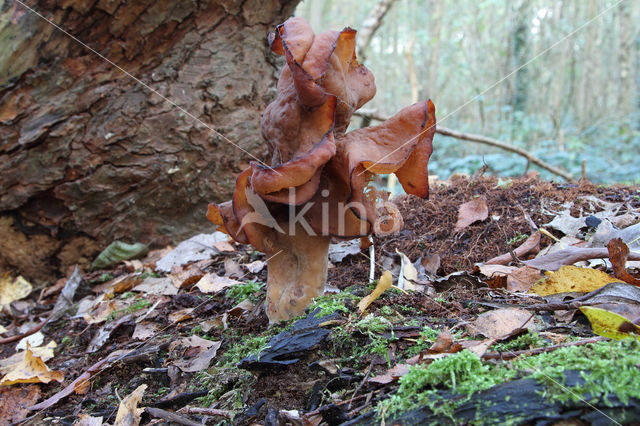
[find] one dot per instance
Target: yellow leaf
(45, 353)
(31, 369)
(385, 282)
(570, 279)
(128, 412)
(610, 324)
(13, 289)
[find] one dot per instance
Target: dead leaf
(566, 223)
(470, 212)
(610, 324)
(408, 276)
(627, 310)
(618, 253)
(522, 279)
(617, 292)
(572, 279)
(431, 263)
(444, 344)
(65, 300)
(103, 334)
(181, 315)
(15, 402)
(391, 375)
(224, 247)
(69, 389)
(87, 420)
(212, 283)
(128, 411)
(33, 341)
(144, 330)
(198, 360)
(13, 289)
(497, 281)
(118, 285)
(241, 308)
(196, 248)
(338, 251)
(45, 353)
(232, 268)
(134, 265)
(82, 386)
(161, 285)
(186, 277)
(500, 322)
(31, 369)
(478, 347)
(491, 271)
(100, 310)
(255, 266)
(385, 282)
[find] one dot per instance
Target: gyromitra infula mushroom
(317, 187)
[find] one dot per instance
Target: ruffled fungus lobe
(317, 186)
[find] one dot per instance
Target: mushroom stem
(297, 273)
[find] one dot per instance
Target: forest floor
(465, 340)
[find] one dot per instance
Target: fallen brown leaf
(470, 212)
(444, 344)
(618, 254)
(15, 402)
(501, 322)
(522, 279)
(195, 353)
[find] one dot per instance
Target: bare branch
(487, 141)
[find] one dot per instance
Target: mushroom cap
(320, 172)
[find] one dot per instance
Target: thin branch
(487, 141)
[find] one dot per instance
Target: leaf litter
(205, 353)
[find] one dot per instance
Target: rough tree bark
(87, 155)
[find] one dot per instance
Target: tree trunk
(87, 153)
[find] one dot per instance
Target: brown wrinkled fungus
(317, 187)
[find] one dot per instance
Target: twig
(536, 351)
(366, 376)
(26, 333)
(487, 141)
(525, 248)
(569, 256)
(206, 411)
(551, 307)
(180, 399)
(170, 417)
(341, 403)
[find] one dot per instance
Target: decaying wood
(471, 137)
(87, 151)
